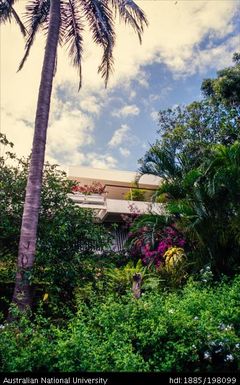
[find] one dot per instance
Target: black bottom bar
(120, 378)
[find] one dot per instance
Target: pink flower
(162, 246)
(181, 242)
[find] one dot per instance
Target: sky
(185, 42)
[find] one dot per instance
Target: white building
(112, 203)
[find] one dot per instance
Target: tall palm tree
(64, 21)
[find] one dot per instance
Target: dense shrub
(195, 329)
(151, 236)
(67, 234)
(197, 155)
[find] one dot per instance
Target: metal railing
(91, 199)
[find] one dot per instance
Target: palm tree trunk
(28, 236)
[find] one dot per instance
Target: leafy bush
(67, 234)
(121, 279)
(195, 329)
(209, 212)
(197, 154)
(135, 195)
(151, 236)
(93, 188)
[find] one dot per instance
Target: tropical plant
(135, 193)
(161, 161)
(194, 330)
(7, 13)
(209, 212)
(197, 156)
(151, 236)
(93, 188)
(122, 279)
(186, 133)
(173, 257)
(63, 21)
(67, 234)
(226, 87)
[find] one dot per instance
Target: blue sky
(186, 42)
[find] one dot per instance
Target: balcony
(91, 201)
(111, 210)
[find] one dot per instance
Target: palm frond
(36, 14)
(18, 21)
(222, 170)
(162, 162)
(71, 33)
(150, 220)
(7, 12)
(131, 14)
(100, 20)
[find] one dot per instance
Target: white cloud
(154, 115)
(91, 104)
(173, 35)
(100, 160)
(124, 151)
(88, 159)
(119, 136)
(68, 133)
(143, 79)
(18, 131)
(215, 56)
(132, 94)
(154, 97)
(130, 110)
(173, 38)
(163, 92)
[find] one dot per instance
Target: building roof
(86, 175)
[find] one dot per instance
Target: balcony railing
(105, 207)
(88, 200)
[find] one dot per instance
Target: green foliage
(186, 133)
(94, 275)
(162, 161)
(101, 278)
(94, 322)
(12, 189)
(209, 212)
(150, 237)
(198, 157)
(135, 195)
(67, 239)
(194, 329)
(7, 266)
(66, 233)
(226, 87)
(33, 342)
(121, 279)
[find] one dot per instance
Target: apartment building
(116, 196)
